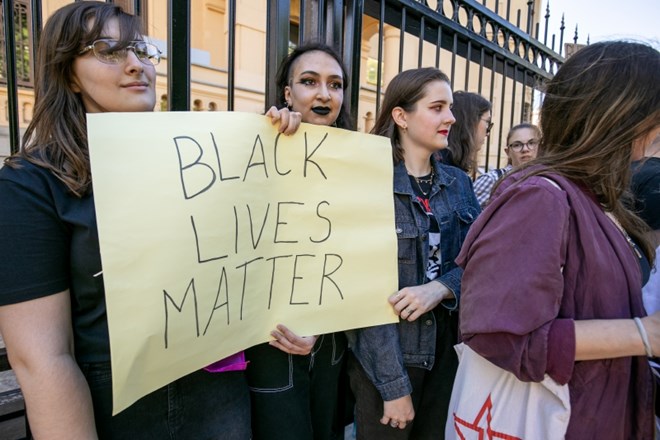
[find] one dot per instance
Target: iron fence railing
(466, 31)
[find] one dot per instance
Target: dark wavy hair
(284, 76)
(468, 108)
(602, 100)
(403, 91)
(56, 139)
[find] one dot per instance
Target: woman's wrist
(645, 337)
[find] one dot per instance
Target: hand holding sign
(289, 342)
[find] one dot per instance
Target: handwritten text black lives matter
(203, 157)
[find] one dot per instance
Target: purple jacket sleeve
(513, 285)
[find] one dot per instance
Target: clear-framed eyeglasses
(531, 144)
(489, 125)
(115, 52)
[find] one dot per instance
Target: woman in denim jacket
(401, 370)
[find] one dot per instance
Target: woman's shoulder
(20, 169)
(535, 190)
(537, 177)
(21, 173)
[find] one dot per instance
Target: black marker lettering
(308, 156)
(254, 164)
(278, 222)
(295, 277)
(167, 297)
(277, 138)
(318, 213)
(216, 306)
(244, 266)
(217, 155)
(194, 165)
(327, 274)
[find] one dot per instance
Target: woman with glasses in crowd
(402, 374)
(92, 58)
(295, 380)
(554, 266)
(467, 136)
(521, 146)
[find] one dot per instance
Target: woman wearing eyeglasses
(52, 309)
(521, 145)
(473, 125)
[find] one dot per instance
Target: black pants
(296, 397)
(430, 396)
(200, 406)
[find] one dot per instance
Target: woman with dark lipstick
(295, 380)
(402, 374)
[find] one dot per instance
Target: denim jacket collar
(402, 182)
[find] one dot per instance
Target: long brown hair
(403, 91)
(601, 100)
(56, 138)
(467, 109)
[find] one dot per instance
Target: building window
(372, 71)
(294, 35)
(527, 112)
(23, 41)
(130, 7)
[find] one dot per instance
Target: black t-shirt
(646, 188)
(422, 188)
(49, 243)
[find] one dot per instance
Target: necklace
(427, 181)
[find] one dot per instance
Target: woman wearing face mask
(92, 59)
(402, 374)
(521, 145)
(295, 380)
(473, 125)
(567, 303)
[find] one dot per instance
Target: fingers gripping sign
(289, 342)
(289, 120)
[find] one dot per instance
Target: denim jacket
(385, 350)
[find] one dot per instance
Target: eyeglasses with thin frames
(490, 125)
(531, 144)
(114, 52)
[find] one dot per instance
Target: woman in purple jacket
(555, 264)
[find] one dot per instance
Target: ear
(287, 95)
(399, 117)
(73, 83)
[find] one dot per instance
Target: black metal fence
(502, 55)
(486, 45)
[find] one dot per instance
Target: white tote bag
(488, 402)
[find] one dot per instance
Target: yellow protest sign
(214, 228)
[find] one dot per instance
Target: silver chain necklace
(424, 180)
